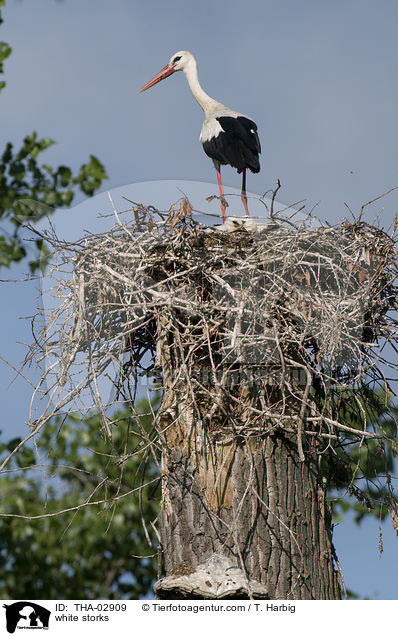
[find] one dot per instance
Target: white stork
(228, 137)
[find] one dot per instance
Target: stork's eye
(176, 59)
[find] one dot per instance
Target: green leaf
(10, 251)
(17, 170)
(96, 169)
(42, 262)
(5, 51)
(45, 143)
(7, 154)
(65, 174)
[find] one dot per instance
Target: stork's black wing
(238, 145)
(244, 129)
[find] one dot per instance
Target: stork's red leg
(243, 195)
(222, 200)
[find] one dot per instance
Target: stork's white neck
(207, 104)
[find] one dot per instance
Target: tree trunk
(241, 516)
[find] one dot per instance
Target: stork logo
(26, 615)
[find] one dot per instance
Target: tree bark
(249, 506)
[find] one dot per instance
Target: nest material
(251, 319)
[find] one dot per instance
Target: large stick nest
(281, 316)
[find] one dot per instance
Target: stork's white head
(180, 61)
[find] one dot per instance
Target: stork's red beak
(165, 72)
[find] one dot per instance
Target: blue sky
(319, 78)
